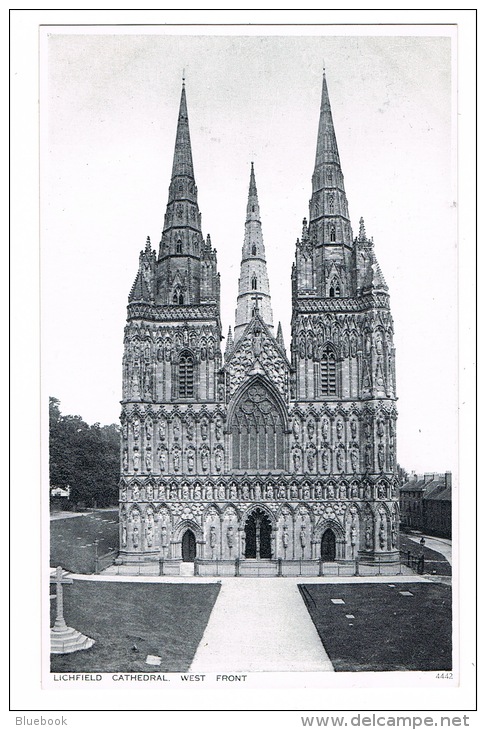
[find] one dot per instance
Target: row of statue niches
(257, 492)
(337, 427)
(162, 428)
(312, 347)
(329, 428)
(203, 348)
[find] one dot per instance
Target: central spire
(253, 285)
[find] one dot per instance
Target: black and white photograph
(250, 328)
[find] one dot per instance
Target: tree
(87, 458)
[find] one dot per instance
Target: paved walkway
(441, 544)
(260, 625)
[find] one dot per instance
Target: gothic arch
(184, 525)
(263, 507)
(326, 524)
(257, 422)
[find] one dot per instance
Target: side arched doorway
(328, 546)
(258, 536)
(188, 547)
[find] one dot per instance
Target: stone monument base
(68, 640)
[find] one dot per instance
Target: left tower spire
(182, 245)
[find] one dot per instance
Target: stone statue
(339, 429)
(124, 535)
(204, 460)
(230, 537)
(136, 428)
(190, 429)
(197, 492)
(148, 460)
(310, 429)
(310, 460)
(162, 429)
(204, 429)
(136, 460)
(340, 459)
(162, 459)
(296, 457)
(176, 429)
(218, 460)
(368, 537)
(381, 456)
(125, 460)
(354, 428)
(176, 460)
(354, 460)
(325, 460)
(296, 429)
(368, 456)
(212, 537)
(190, 460)
(325, 429)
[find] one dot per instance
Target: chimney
(448, 479)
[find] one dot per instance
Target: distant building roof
(440, 491)
(429, 484)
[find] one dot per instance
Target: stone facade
(254, 461)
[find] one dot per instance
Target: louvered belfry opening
(328, 372)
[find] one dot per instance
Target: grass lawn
(388, 631)
(128, 621)
(435, 563)
(73, 539)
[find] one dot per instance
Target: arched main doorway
(188, 547)
(258, 535)
(328, 546)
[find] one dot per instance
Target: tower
(171, 362)
(343, 359)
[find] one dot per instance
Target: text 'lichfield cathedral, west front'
(254, 461)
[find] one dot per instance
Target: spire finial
(183, 76)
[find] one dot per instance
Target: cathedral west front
(259, 460)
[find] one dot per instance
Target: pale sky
(109, 106)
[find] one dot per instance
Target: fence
(415, 562)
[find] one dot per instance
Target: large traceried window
(257, 431)
(328, 372)
(186, 375)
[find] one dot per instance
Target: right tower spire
(328, 207)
